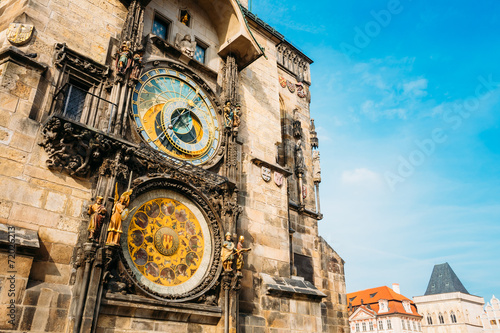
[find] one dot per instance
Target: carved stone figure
(314, 136)
(316, 167)
(239, 253)
(124, 58)
(227, 253)
(119, 213)
(136, 65)
(299, 157)
(97, 213)
(185, 45)
(236, 118)
(228, 114)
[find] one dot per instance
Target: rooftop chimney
(395, 287)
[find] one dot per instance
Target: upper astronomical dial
(175, 116)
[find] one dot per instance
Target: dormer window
(383, 305)
(406, 306)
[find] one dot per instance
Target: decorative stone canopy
(294, 287)
(234, 36)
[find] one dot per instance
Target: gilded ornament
(19, 34)
(119, 213)
(282, 81)
(239, 253)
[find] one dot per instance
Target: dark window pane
(74, 102)
(160, 28)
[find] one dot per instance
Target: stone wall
(54, 204)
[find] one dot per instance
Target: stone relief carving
(314, 136)
(64, 54)
(293, 61)
(316, 167)
(185, 44)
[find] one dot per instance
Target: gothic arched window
(441, 319)
(453, 317)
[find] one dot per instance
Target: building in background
(159, 171)
(491, 316)
(382, 309)
(447, 306)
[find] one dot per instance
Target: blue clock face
(175, 116)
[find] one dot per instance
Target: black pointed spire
(444, 280)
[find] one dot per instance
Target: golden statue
(228, 114)
(239, 253)
(97, 213)
(227, 253)
(119, 213)
(185, 19)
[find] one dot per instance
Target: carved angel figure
(227, 253)
(97, 212)
(119, 213)
(185, 45)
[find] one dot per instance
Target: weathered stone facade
(68, 135)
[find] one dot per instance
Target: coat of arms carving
(278, 178)
(266, 173)
(19, 34)
(282, 81)
(304, 191)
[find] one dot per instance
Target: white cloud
(416, 88)
(360, 176)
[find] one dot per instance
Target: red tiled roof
(372, 296)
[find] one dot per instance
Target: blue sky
(408, 97)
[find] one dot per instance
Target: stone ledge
(141, 307)
(258, 162)
(294, 287)
(26, 240)
(15, 55)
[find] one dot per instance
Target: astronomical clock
(170, 246)
(171, 243)
(176, 116)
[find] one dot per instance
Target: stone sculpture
(119, 213)
(97, 213)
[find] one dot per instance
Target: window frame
(200, 43)
(164, 19)
(190, 22)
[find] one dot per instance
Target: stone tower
(157, 172)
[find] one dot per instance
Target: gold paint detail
(165, 242)
(19, 34)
